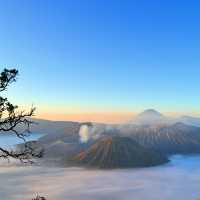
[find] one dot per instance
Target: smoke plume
(84, 133)
(95, 131)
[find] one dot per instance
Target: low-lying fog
(179, 179)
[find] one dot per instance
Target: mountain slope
(194, 121)
(168, 139)
(117, 152)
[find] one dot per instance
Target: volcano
(149, 116)
(118, 152)
(177, 138)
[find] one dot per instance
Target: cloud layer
(172, 181)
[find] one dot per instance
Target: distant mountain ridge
(147, 117)
(194, 121)
(169, 139)
(149, 130)
(152, 117)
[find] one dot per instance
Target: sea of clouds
(179, 179)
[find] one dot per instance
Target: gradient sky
(102, 60)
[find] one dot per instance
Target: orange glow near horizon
(101, 117)
(109, 117)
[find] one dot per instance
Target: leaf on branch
(7, 77)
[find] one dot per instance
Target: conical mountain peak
(149, 116)
(151, 112)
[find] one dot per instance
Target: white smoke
(84, 133)
(93, 132)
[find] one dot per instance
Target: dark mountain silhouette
(117, 152)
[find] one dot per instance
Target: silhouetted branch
(11, 120)
(7, 77)
(39, 198)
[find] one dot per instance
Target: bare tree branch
(39, 198)
(12, 121)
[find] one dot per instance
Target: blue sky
(102, 56)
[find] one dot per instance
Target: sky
(102, 60)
